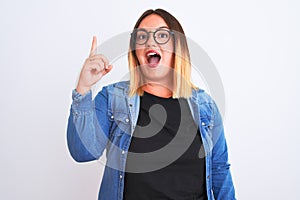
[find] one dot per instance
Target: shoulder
(201, 96)
(207, 105)
(121, 85)
(117, 88)
(113, 94)
(112, 91)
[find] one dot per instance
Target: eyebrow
(153, 27)
(164, 27)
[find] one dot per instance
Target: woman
(163, 137)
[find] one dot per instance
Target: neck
(157, 90)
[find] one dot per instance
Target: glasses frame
(133, 35)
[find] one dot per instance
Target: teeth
(151, 54)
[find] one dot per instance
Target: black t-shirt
(162, 121)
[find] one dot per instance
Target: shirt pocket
(120, 126)
(120, 123)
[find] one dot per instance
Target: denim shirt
(108, 121)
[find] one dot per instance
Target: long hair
(182, 85)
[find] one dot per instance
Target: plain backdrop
(255, 46)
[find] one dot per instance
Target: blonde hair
(182, 85)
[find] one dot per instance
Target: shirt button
(121, 176)
(127, 120)
(123, 152)
(112, 117)
(203, 124)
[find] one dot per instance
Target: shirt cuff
(82, 102)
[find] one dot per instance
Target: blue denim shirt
(108, 123)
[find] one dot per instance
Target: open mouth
(153, 58)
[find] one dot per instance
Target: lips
(153, 58)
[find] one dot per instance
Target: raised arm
(88, 128)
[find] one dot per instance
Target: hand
(94, 68)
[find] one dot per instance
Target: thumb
(107, 69)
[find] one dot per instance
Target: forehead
(153, 21)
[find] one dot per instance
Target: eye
(141, 35)
(163, 35)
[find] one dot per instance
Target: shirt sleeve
(222, 183)
(86, 136)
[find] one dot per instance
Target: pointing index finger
(94, 46)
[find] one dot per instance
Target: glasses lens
(162, 36)
(141, 37)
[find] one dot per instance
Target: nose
(151, 41)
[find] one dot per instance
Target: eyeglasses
(160, 36)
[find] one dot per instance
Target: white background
(255, 46)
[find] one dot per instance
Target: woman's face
(156, 60)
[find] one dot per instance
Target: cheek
(168, 53)
(168, 58)
(139, 55)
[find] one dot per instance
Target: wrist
(82, 90)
